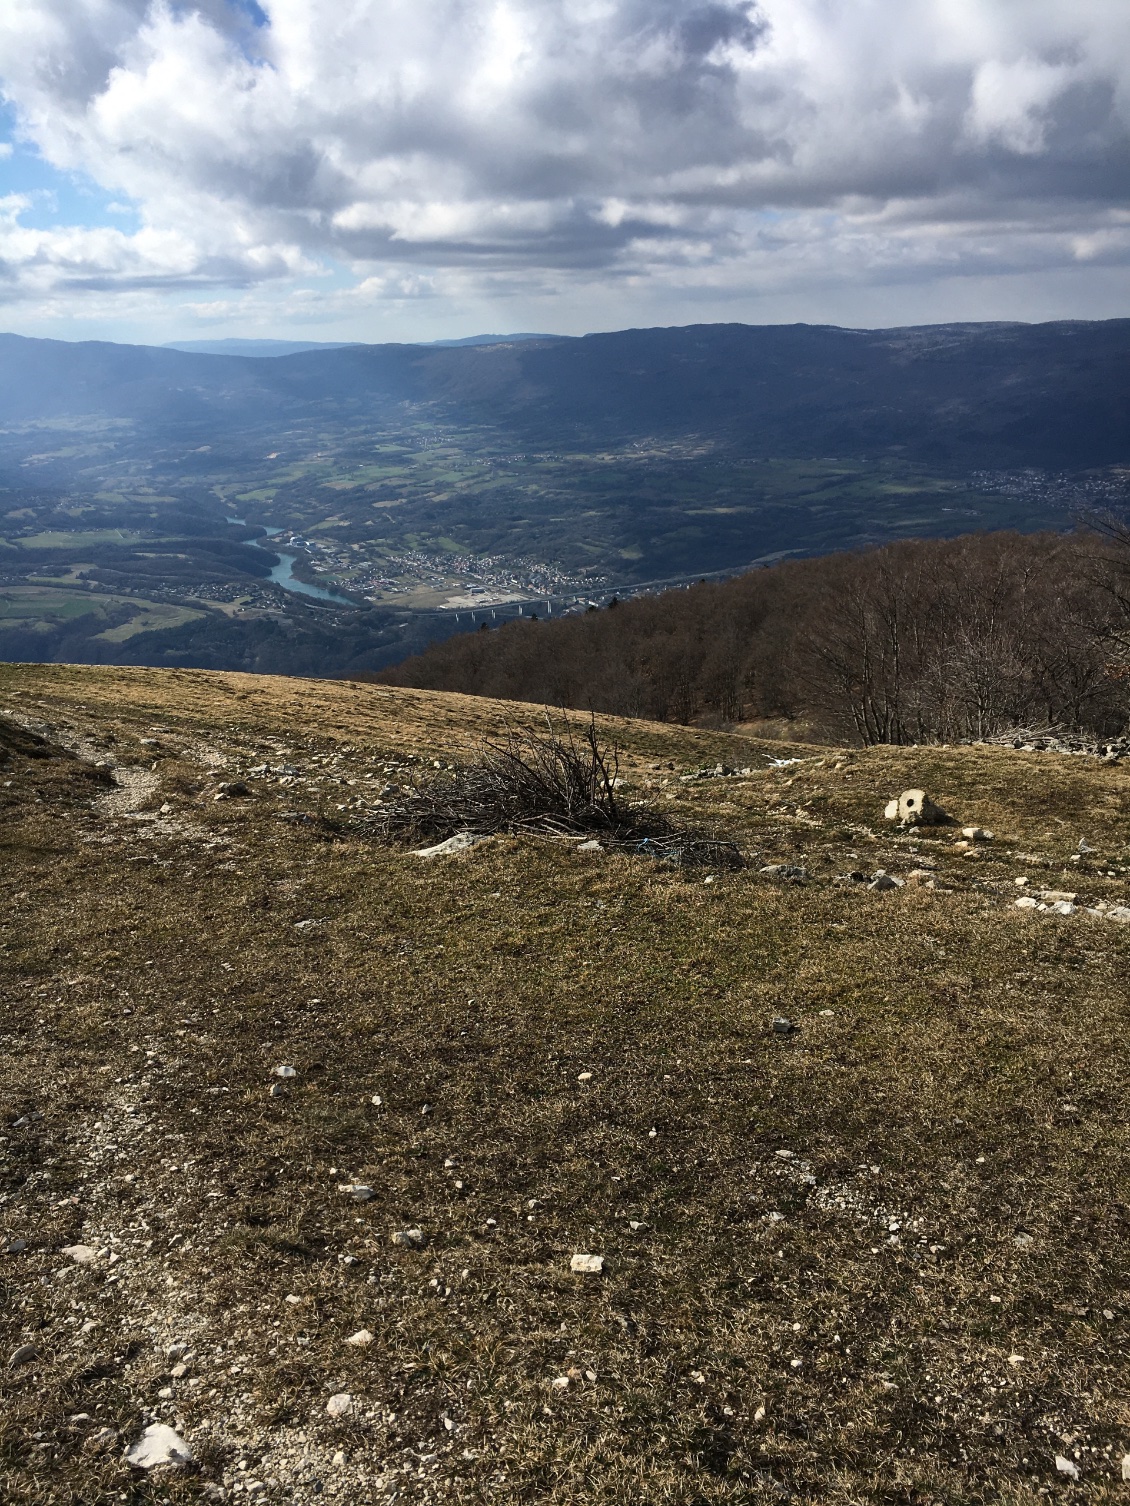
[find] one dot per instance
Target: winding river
(283, 573)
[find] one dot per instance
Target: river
(283, 573)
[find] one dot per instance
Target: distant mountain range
(414, 491)
(261, 348)
(958, 395)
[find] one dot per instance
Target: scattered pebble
(23, 1356)
(80, 1254)
(286, 1071)
(1066, 1467)
(359, 1192)
(587, 1265)
(361, 1339)
(340, 1405)
(414, 1237)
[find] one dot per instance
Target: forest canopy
(918, 641)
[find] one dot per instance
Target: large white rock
(159, 1444)
(914, 808)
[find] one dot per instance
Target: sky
(423, 169)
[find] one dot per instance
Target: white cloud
(487, 149)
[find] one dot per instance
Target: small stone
(884, 881)
(376, 1100)
(1022, 1240)
(179, 1370)
(1066, 1467)
(976, 834)
(284, 1071)
(80, 1254)
(782, 1026)
(463, 841)
(1126, 1466)
(593, 846)
(361, 1339)
(359, 1192)
(587, 1265)
(277, 1090)
(176, 1351)
(1026, 902)
(339, 1458)
(584, 1077)
(414, 1237)
(159, 1444)
(15, 1247)
(560, 1383)
(340, 1405)
(293, 1301)
(789, 872)
(22, 1356)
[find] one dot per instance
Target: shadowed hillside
(1055, 395)
(924, 641)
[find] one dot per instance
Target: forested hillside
(921, 641)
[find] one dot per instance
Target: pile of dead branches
(560, 783)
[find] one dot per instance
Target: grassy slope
(967, 1087)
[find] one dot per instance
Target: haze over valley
(331, 510)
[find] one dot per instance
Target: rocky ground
(301, 1136)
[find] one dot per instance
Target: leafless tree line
(918, 641)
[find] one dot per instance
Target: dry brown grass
(968, 1086)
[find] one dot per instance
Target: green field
(47, 605)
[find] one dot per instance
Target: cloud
(676, 146)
